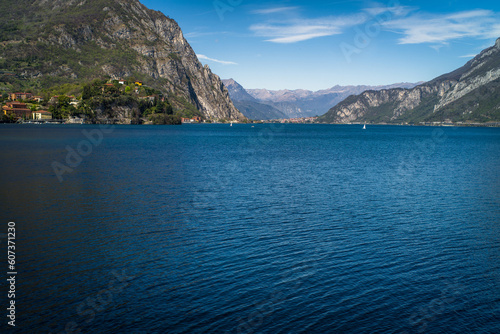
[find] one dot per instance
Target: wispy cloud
(468, 56)
(415, 27)
(196, 34)
(205, 31)
(395, 10)
(275, 10)
(297, 30)
(293, 27)
(203, 57)
(418, 28)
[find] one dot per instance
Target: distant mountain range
(250, 106)
(266, 104)
(468, 94)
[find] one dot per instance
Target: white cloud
(297, 30)
(468, 56)
(198, 34)
(416, 27)
(495, 30)
(274, 10)
(396, 10)
(298, 38)
(441, 29)
(203, 57)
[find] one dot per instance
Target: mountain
(293, 103)
(44, 43)
(258, 111)
(299, 94)
(236, 91)
(306, 103)
(468, 94)
(248, 105)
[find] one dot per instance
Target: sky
(314, 45)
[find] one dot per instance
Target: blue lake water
(263, 229)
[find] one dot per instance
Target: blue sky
(298, 44)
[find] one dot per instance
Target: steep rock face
(126, 39)
(448, 96)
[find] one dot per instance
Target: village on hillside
(146, 106)
(26, 107)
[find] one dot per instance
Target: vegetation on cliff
(103, 101)
(50, 43)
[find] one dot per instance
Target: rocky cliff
(55, 41)
(471, 93)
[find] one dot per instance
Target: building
(195, 119)
(20, 96)
(121, 82)
(138, 83)
(17, 109)
(42, 115)
(150, 98)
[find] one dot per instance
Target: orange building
(195, 119)
(20, 96)
(18, 109)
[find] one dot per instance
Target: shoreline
(462, 125)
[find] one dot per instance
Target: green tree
(7, 119)
(61, 109)
(55, 112)
(63, 101)
(164, 107)
(164, 119)
(112, 91)
(87, 92)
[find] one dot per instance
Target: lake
(265, 228)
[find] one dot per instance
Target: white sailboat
(364, 126)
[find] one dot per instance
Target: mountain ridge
(468, 94)
(275, 95)
(293, 103)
